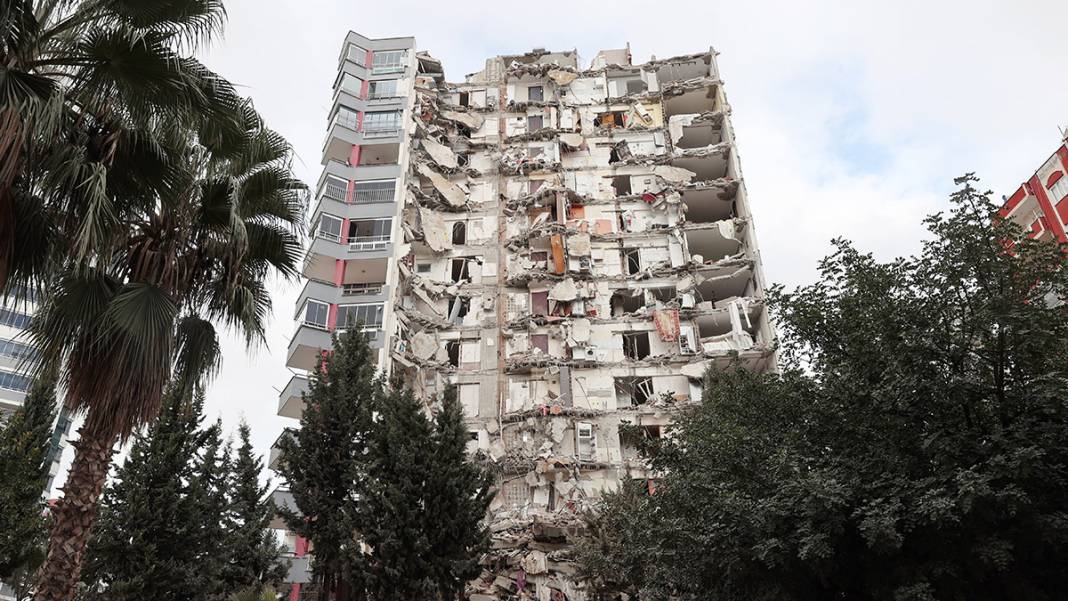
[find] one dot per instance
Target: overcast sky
(851, 117)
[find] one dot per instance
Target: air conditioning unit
(687, 301)
(584, 353)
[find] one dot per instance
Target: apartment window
(1059, 189)
(347, 117)
(383, 88)
(452, 349)
(423, 267)
(356, 54)
(459, 233)
(635, 86)
(330, 227)
(14, 319)
(636, 345)
(376, 191)
(536, 93)
(13, 381)
(16, 350)
(367, 317)
(351, 84)
(459, 271)
(381, 121)
(468, 394)
(535, 123)
(632, 262)
(388, 61)
(335, 188)
(370, 231)
(315, 313)
(634, 391)
(459, 306)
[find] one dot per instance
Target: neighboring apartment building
(571, 247)
(15, 382)
(1040, 205)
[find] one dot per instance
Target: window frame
(343, 310)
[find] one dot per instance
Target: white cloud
(929, 89)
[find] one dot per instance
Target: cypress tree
(208, 496)
(458, 495)
(322, 463)
(254, 552)
(400, 462)
(145, 543)
(24, 446)
(183, 520)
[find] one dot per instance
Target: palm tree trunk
(74, 516)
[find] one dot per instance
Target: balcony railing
(366, 243)
(328, 236)
(358, 289)
(348, 120)
(381, 131)
(374, 193)
(334, 190)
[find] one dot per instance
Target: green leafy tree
(915, 446)
(323, 464)
(254, 551)
(24, 462)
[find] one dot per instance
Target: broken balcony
(730, 315)
(698, 133)
(714, 241)
(707, 167)
(706, 205)
(684, 69)
(723, 286)
(291, 400)
(703, 99)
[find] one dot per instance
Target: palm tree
(194, 250)
(144, 202)
(76, 76)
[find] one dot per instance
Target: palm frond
(190, 22)
(197, 355)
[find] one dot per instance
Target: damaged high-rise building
(569, 244)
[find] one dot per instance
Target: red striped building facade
(1040, 205)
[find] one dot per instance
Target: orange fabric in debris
(667, 324)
